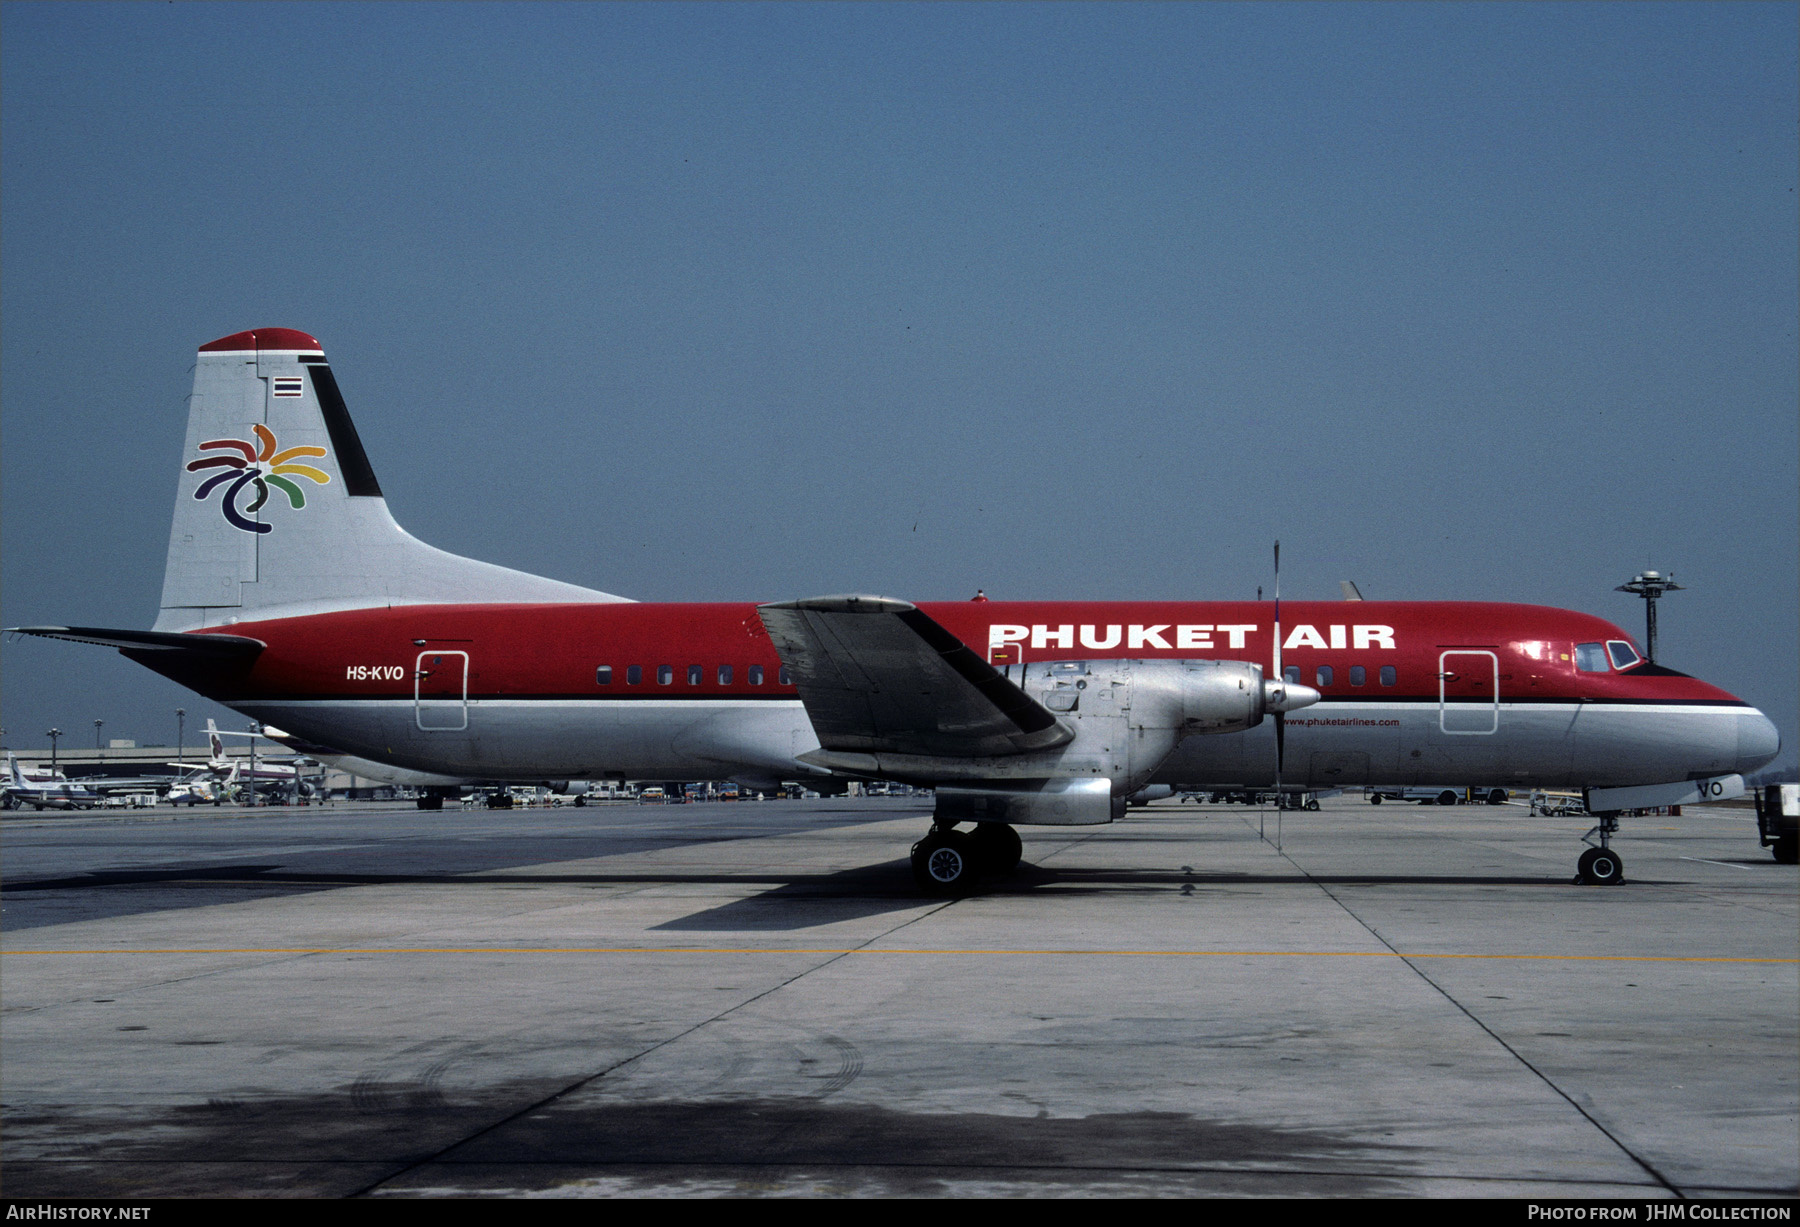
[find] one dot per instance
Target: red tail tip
(263, 338)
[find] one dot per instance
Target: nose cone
(1758, 741)
(1287, 696)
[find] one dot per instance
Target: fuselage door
(441, 691)
(1468, 691)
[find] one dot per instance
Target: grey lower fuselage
(1334, 744)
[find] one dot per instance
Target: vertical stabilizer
(278, 512)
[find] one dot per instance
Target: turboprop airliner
(41, 794)
(291, 595)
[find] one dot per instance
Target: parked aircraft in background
(41, 794)
(293, 596)
(433, 787)
(41, 786)
(277, 769)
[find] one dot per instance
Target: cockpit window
(1623, 654)
(1590, 657)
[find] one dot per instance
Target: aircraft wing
(877, 675)
(111, 783)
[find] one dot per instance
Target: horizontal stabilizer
(216, 646)
(877, 675)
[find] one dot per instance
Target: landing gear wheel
(431, 803)
(997, 847)
(944, 863)
(1600, 867)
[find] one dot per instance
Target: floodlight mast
(1650, 585)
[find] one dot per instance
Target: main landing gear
(1601, 866)
(951, 862)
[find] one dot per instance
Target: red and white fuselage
(1410, 692)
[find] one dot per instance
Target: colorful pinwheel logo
(260, 467)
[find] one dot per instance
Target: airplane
(87, 790)
(42, 794)
(291, 594)
(279, 770)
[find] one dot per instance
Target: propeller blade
(1280, 717)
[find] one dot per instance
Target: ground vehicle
(1436, 795)
(1778, 820)
(1558, 804)
(653, 795)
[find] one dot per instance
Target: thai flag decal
(289, 385)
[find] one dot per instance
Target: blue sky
(762, 301)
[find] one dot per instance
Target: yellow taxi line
(841, 950)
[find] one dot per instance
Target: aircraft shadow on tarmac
(805, 901)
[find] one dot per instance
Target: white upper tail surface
(278, 513)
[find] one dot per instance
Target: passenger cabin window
(603, 675)
(1623, 654)
(1323, 676)
(1358, 675)
(634, 674)
(1291, 674)
(1388, 676)
(665, 674)
(695, 673)
(1590, 658)
(756, 675)
(724, 675)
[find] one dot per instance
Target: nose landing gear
(1601, 866)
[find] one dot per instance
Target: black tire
(1600, 867)
(1446, 797)
(997, 847)
(1787, 849)
(944, 863)
(1375, 798)
(1313, 805)
(1497, 796)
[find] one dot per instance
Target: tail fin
(278, 513)
(215, 742)
(12, 767)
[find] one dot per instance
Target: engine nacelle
(1121, 719)
(1196, 696)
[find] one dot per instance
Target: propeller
(1281, 696)
(1280, 712)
